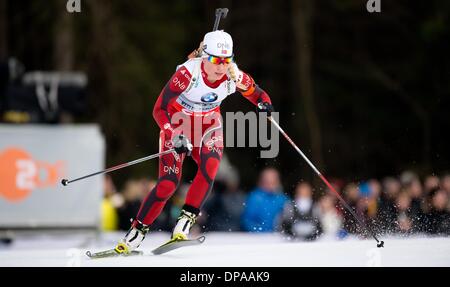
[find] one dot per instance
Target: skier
(188, 114)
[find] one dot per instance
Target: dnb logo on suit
(209, 97)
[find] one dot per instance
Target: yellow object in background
(110, 218)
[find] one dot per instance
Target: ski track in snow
(229, 250)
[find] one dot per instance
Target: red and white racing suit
(190, 104)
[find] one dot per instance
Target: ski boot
(180, 234)
(184, 223)
(133, 238)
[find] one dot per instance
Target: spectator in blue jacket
(265, 204)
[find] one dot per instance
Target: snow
(228, 249)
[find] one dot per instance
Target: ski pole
(65, 182)
(344, 203)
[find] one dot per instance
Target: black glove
(265, 107)
(181, 144)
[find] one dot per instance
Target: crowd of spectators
(404, 204)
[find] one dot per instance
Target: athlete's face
(215, 71)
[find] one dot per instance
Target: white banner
(34, 159)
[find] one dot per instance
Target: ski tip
(156, 252)
(159, 250)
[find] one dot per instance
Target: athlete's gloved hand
(181, 145)
(265, 107)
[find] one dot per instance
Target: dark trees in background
(363, 94)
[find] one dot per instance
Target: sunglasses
(218, 60)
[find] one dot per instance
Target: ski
(177, 243)
(111, 253)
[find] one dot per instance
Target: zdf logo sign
(73, 6)
(21, 174)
